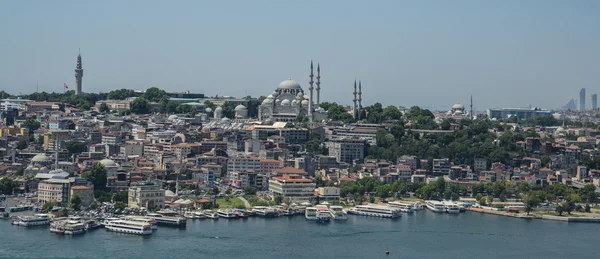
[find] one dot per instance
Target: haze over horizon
(427, 53)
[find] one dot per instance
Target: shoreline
(534, 216)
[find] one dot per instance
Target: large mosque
(289, 100)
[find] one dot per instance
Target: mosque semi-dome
(289, 84)
(40, 158)
(285, 102)
(219, 109)
(208, 109)
(108, 163)
(305, 102)
(240, 108)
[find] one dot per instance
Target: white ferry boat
(147, 220)
(451, 207)
(199, 215)
(226, 214)
(310, 213)
(74, 228)
(129, 227)
(435, 206)
(266, 212)
(36, 220)
(338, 213)
(211, 214)
(405, 207)
(373, 210)
(168, 221)
(323, 213)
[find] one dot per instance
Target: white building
(147, 195)
(296, 188)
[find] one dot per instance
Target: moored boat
(310, 213)
(323, 214)
(374, 210)
(32, 221)
(211, 214)
(435, 206)
(338, 213)
(167, 220)
(226, 214)
(129, 227)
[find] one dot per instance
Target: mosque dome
(458, 106)
(40, 158)
(294, 102)
(208, 109)
(300, 96)
(306, 96)
(108, 163)
(289, 84)
(285, 102)
(240, 108)
(267, 100)
(274, 94)
(172, 117)
(305, 102)
(225, 119)
(218, 109)
(458, 112)
(278, 101)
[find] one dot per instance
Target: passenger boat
(199, 215)
(31, 221)
(266, 212)
(338, 213)
(373, 210)
(403, 206)
(323, 214)
(211, 214)
(147, 220)
(310, 213)
(56, 228)
(168, 221)
(92, 224)
(226, 214)
(107, 220)
(190, 215)
(74, 228)
(451, 207)
(129, 227)
(241, 213)
(435, 206)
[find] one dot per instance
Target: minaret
(78, 75)
(471, 111)
(359, 98)
(318, 84)
(310, 88)
(354, 100)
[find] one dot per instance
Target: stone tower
(359, 99)
(78, 75)
(310, 88)
(354, 107)
(318, 85)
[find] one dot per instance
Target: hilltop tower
(78, 75)
(318, 85)
(354, 107)
(310, 88)
(359, 99)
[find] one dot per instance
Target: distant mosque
(289, 100)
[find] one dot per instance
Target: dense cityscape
(129, 160)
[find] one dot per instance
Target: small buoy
(387, 252)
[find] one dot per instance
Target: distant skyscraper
(582, 99)
(594, 101)
(78, 75)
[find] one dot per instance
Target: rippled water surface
(421, 235)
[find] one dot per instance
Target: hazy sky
(428, 53)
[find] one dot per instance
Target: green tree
(103, 108)
(154, 94)
(122, 196)
(559, 209)
(250, 191)
(588, 194)
(76, 147)
(22, 144)
(75, 202)
(120, 205)
(278, 199)
(48, 206)
(121, 94)
(31, 125)
(97, 175)
(139, 106)
(7, 185)
(530, 201)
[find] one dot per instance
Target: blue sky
(428, 53)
